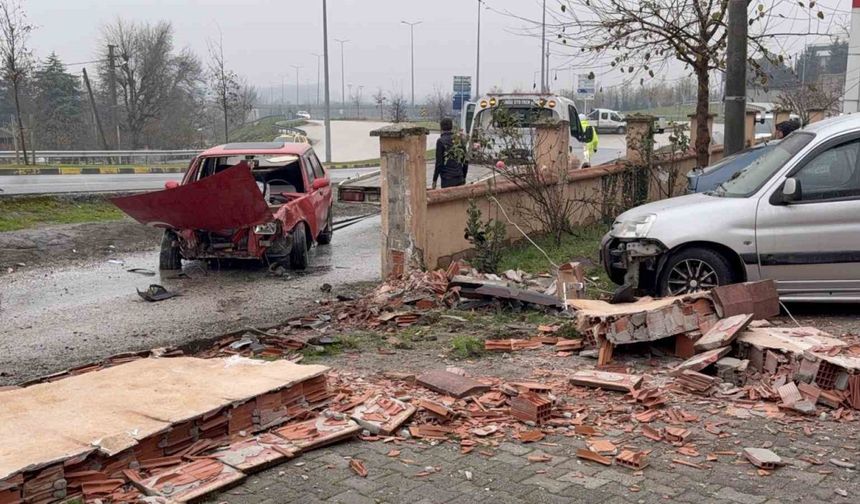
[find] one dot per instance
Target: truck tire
(326, 234)
(694, 269)
(169, 258)
(299, 251)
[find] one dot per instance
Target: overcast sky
(263, 38)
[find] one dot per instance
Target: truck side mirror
(791, 190)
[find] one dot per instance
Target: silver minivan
(792, 216)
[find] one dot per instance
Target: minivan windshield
(749, 180)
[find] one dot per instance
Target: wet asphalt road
(41, 184)
(54, 319)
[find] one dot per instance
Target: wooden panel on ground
(605, 380)
(111, 409)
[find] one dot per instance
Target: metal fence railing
(118, 157)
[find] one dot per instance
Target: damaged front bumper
(632, 261)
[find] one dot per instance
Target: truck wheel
(169, 258)
(694, 270)
(621, 130)
(299, 251)
(326, 234)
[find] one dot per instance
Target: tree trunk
(226, 132)
(20, 122)
(703, 136)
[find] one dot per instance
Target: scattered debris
(606, 380)
(451, 384)
(762, 458)
(155, 293)
(592, 456)
(358, 468)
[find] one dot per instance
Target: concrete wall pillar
(816, 114)
(749, 127)
(403, 197)
(552, 146)
(640, 139)
(694, 128)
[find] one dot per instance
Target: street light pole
(412, 57)
(478, 63)
(543, 51)
(297, 84)
(327, 103)
(342, 78)
(318, 55)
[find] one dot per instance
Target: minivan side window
(604, 115)
(616, 117)
(832, 174)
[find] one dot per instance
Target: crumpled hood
(227, 200)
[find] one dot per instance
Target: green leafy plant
(465, 346)
(487, 239)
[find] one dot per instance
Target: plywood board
(113, 408)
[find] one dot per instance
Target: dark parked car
(708, 178)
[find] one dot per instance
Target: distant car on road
(607, 121)
(266, 201)
(303, 114)
(708, 178)
(790, 216)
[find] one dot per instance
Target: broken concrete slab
(702, 360)
(723, 332)
(382, 415)
(801, 342)
(606, 380)
(451, 384)
(116, 407)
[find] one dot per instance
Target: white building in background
(851, 96)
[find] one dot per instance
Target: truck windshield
(748, 181)
(514, 116)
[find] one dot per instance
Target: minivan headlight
(636, 227)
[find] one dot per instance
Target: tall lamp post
(478, 63)
(297, 67)
(327, 103)
(342, 79)
(412, 57)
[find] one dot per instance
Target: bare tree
(439, 103)
(397, 107)
(379, 98)
(17, 58)
(246, 100)
(802, 99)
(643, 37)
(151, 75)
(223, 82)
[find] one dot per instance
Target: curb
(351, 166)
(101, 170)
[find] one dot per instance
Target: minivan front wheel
(693, 270)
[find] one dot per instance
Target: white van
(607, 121)
(527, 110)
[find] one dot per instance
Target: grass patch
(466, 346)
(582, 245)
(25, 213)
(263, 130)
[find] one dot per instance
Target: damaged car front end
(629, 256)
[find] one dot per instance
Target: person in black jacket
(448, 168)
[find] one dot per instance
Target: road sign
(462, 90)
(585, 85)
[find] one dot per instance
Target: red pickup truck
(266, 201)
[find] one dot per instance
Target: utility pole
(297, 84)
(358, 103)
(478, 63)
(543, 51)
(736, 77)
(342, 78)
(112, 91)
(327, 102)
(548, 70)
(95, 111)
(412, 57)
(318, 55)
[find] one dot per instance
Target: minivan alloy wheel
(691, 275)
